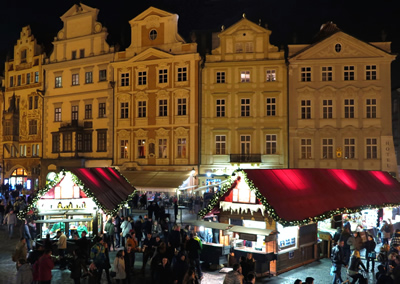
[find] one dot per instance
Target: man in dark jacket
(148, 250)
(338, 261)
(117, 230)
(193, 248)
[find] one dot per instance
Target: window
(58, 83)
(244, 76)
(75, 79)
(271, 106)
(220, 108)
(271, 76)
(35, 150)
(56, 143)
(182, 74)
(88, 111)
(142, 78)
(30, 102)
(11, 81)
(141, 148)
(162, 76)
(124, 110)
(88, 77)
(102, 141)
(270, 143)
(153, 34)
(181, 148)
(371, 108)
(73, 54)
(306, 74)
(81, 53)
(306, 109)
(87, 142)
(102, 110)
(327, 73)
(349, 148)
(32, 127)
(372, 148)
(349, 108)
(36, 76)
(182, 106)
(370, 72)
(327, 109)
(36, 102)
(338, 47)
(19, 80)
(220, 77)
(162, 108)
(124, 79)
(57, 114)
(306, 148)
(245, 107)
(124, 149)
(249, 47)
(348, 73)
(7, 128)
(162, 148)
(327, 148)
(239, 47)
(142, 109)
(74, 113)
(220, 144)
(23, 55)
(28, 78)
(67, 142)
(103, 75)
(245, 143)
(22, 150)
(79, 142)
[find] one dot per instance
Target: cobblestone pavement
(319, 270)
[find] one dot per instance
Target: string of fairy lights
(271, 211)
(50, 184)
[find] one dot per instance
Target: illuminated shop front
(79, 200)
(274, 213)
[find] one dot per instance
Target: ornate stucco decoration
(152, 22)
(180, 131)
(162, 132)
(140, 133)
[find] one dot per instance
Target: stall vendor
(57, 226)
(81, 228)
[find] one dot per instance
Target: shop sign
(248, 237)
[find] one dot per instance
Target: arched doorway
(18, 178)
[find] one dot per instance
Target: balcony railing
(245, 158)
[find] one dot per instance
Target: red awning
(298, 194)
(108, 186)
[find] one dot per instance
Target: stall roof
(299, 194)
(156, 179)
(107, 184)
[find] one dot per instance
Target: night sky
(290, 21)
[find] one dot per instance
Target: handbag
(372, 254)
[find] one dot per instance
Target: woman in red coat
(45, 264)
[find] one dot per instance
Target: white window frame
(371, 148)
(57, 114)
(349, 148)
(270, 107)
(326, 73)
(220, 144)
(271, 144)
(327, 109)
(327, 148)
(245, 107)
(58, 82)
(371, 72)
(370, 108)
(220, 107)
(306, 148)
(349, 108)
(349, 73)
(305, 74)
(305, 109)
(270, 75)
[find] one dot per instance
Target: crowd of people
(351, 245)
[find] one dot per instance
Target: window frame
(142, 109)
(58, 82)
(74, 113)
(349, 148)
(349, 108)
(102, 140)
(371, 149)
(124, 79)
(326, 73)
(305, 109)
(75, 79)
(270, 75)
(142, 78)
(245, 107)
(182, 74)
(270, 106)
(327, 109)
(102, 110)
(370, 108)
(57, 114)
(327, 148)
(349, 72)
(181, 148)
(271, 144)
(124, 110)
(220, 144)
(220, 108)
(181, 108)
(306, 148)
(371, 72)
(163, 107)
(88, 111)
(220, 77)
(245, 76)
(306, 74)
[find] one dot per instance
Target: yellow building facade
(156, 103)
(22, 118)
(339, 103)
(78, 94)
(244, 103)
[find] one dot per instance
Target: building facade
(22, 118)
(156, 103)
(78, 94)
(244, 103)
(339, 93)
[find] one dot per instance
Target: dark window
(56, 143)
(102, 141)
(88, 111)
(102, 109)
(103, 75)
(67, 142)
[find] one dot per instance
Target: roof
(106, 186)
(156, 179)
(301, 196)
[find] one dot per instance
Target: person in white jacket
(119, 267)
(126, 227)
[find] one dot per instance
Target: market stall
(79, 200)
(290, 203)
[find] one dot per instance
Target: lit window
(75, 79)
(141, 148)
(57, 114)
(74, 113)
(245, 76)
(124, 149)
(271, 76)
(88, 77)
(58, 82)
(181, 147)
(162, 148)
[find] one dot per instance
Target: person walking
(27, 234)
(370, 252)
(194, 248)
(62, 247)
(385, 229)
(338, 262)
(45, 265)
(117, 230)
(98, 255)
(11, 221)
(110, 231)
(119, 267)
